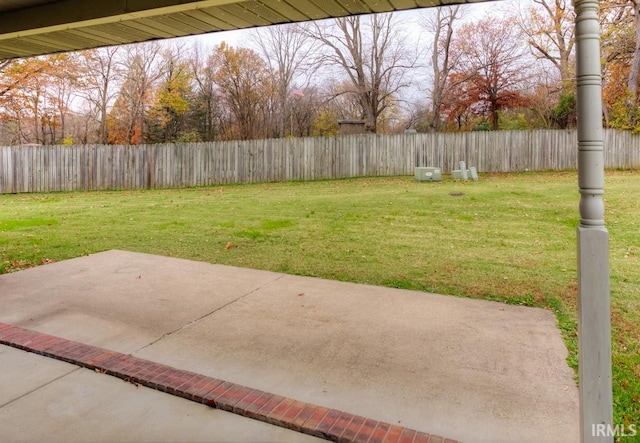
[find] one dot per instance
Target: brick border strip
(307, 418)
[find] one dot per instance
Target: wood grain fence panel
(37, 169)
(206, 165)
(163, 167)
(74, 172)
(13, 170)
(347, 152)
(214, 152)
(56, 179)
(44, 169)
(232, 170)
(6, 168)
(222, 160)
(8, 175)
(40, 170)
(96, 167)
(225, 161)
(218, 155)
(187, 158)
(19, 169)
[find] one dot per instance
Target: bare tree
(305, 107)
(370, 51)
(342, 100)
(549, 28)
(142, 68)
(442, 62)
(287, 50)
(63, 85)
(102, 75)
(203, 70)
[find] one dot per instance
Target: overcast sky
(471, 11)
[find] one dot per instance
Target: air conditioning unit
(428, 174)
(460, 174)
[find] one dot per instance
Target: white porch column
(594, 321)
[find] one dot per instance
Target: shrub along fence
(91, 167)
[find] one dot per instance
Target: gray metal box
(459, 174)
(428, 174)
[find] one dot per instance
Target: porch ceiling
(36, 27)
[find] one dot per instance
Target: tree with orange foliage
(620, 52)
(458, 100)
(21, 88)
(36, 94)
(245, 89)
(16, 73)
(492, 68)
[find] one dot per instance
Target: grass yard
(510, 238)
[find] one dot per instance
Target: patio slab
(470, 370)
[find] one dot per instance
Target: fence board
(84, 168)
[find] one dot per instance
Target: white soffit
(36, 27)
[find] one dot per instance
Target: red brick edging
(307, 418)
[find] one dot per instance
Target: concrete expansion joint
(209, 314)
(40, 386)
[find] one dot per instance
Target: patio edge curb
(307, 418)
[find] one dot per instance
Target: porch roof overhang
(37, 27)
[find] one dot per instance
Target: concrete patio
(469, 370)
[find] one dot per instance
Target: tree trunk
(441, 73)
(495, 118)
(635, 64)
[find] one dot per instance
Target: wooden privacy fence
(72, 168)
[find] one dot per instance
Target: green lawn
(510, 238)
